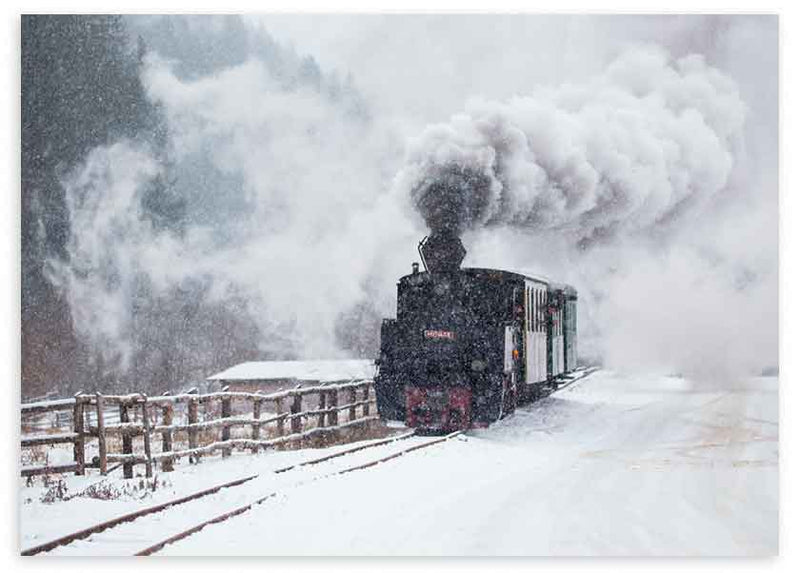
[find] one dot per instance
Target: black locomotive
(469, 345)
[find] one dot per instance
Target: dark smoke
(454, 199)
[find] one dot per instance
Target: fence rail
(109, 424)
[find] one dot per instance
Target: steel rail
(582, 374)
(345, 452)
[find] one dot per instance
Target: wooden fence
(109, 424)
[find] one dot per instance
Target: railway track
(148, 519)
(578, 375)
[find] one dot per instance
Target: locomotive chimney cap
(442, 252)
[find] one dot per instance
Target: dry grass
(134, 489)
(35, 456)
(56, 489)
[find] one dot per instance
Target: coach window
(531, 311)
(544, 308)
(546, 311)
(528, 308)
(541, 310)
(559, 322)
(540, 316)
(538, 309)
(527, 313)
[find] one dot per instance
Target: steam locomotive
(470, 345)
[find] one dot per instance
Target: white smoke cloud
(622, 152)
(315, 224)
(307, 240)
(679, 312)
(109, 242)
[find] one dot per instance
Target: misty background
(203, 190)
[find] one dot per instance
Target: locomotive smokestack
(442, 252)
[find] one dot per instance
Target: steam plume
(639, 146)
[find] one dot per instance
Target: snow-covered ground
(613, 465)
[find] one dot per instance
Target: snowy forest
(82, 89)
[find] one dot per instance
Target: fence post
(166, 436)
(321, 417)
(87, 414)
(353, 398)
(226, 430)
(101, 435)
(366, 400)
(78, 452)
(296, 408)
(127, 441)
(256, 426)
(333, 403)
(148, 463)
(278, 412)
(193, 431)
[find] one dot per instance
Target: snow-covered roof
(322, 370)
